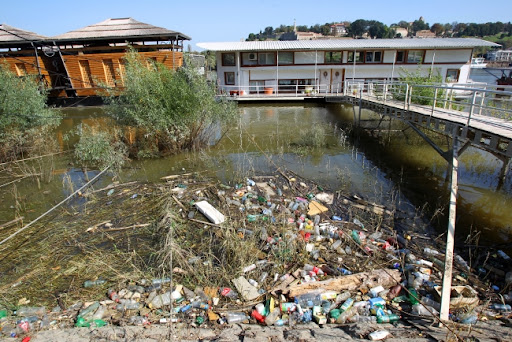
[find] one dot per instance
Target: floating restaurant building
(82, 62)
(326, 65)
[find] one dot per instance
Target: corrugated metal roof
(9, 34)
(119, 28)
(406, 43)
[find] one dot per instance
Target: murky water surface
(396, 169)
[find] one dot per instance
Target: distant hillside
(493, 31)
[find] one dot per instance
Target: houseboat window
(256, 86)
(400, 56)
(266, 58)
(85, 70)
(229, 78)
(359, 57)
(108, 69)
(373, 56)
(228, 59)
(415, 56)
(332, 57)
(452, 75)
(285, 57)
(21, 69)
(249, 58)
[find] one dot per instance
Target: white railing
(471, 101)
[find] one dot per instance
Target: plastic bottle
(374, 292)
(423, 310)
(378, 335)
(160, 300)
(462, 262)
(100, 312)
(272, 318)
(249, 268)
(431, 302)
(309, 300)
(314, 269)
(30, 310)
(90, 283)
(345, 315)
(413, 296)
(113, 295)
(347, 305)
(355, 237)
(128, 304)
(160, 281)
(387, 318)
(363, 319)
(236, 317)
(500, 307)
(89, 310)
(228, 292)
(503, 255)
(430, 251)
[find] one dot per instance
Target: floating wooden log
(384, 277)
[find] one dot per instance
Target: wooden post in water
(448, 261)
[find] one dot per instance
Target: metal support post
(471, 107)
(434, 103)
(450, 238)
(406, 95)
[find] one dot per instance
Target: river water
(397, 169)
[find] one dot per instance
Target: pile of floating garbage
(354, 271)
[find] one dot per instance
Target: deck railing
(473, 101)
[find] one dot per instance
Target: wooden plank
(384, 277)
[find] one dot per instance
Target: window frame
(415, 62)
(228, 74)
(331, 61)
(224, 59)
(274, 62)
(457, 75)
(360, 54)
(372, 53)
(287, 52)
(397, 61)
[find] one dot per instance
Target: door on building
(331, 80)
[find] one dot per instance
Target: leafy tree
(23, 113)
(437, 28)
(268, 31)
(404, 24)
(251, 37)
(376, 29)
(421, 95)
(302, 28)
(171, 109)
(419, 25)
(358, 28)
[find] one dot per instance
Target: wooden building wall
(27, 65)
(88, 72)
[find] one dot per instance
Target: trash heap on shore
(323, 257)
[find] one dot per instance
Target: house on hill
(84, 61)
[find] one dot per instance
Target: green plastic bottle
(387, 318)
(3, 313)
(413, 296)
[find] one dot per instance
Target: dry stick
(111, 186)
(55, 207)
(179, 203)
(7, 224)
(125, 228)
(14, 181)
(45, 155)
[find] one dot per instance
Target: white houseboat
(278, 67)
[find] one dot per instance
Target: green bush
(23, 113)
(99, 149)
(175, 109)
(420, 95)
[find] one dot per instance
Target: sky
(222, 21)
